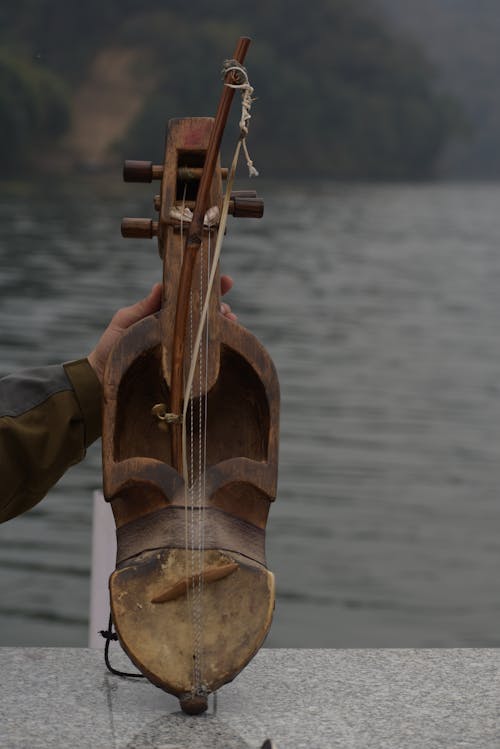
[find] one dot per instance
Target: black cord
(109, 635)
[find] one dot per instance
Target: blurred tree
(339, 96)
(342, 97)
(461, 38)
(33, 109)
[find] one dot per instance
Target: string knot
(108, 634)
(183, 214)
(240, 74)
(241, 82)
(164, 416)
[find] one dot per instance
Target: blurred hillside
(462, 38)
(339, 95)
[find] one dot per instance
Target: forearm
(48, 417)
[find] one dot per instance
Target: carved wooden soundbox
(190, 475)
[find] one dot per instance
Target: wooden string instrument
(191, 596)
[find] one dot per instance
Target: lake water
(380, 305)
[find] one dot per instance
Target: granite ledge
(319, 699)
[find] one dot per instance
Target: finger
(127, 316)
(226, 311)
(226, 284)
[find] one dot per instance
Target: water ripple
(380, 307)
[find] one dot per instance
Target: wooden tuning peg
(246, 207)
(193, 173)
(243, 194)
(141, 171)
(140, 228)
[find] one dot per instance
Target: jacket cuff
(88, 393)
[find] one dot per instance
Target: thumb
(127, 316)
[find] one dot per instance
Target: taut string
(197, 358)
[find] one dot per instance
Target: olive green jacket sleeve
(48, 417)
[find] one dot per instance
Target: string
(246, 105)
(195, 487)
(205, 422)
(203, 459)
(197, 531)
(247, 91)
(197, 359)
(187, 492)
(215, 260)
(202, 326)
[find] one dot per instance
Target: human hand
(226, 284)
(127, 316)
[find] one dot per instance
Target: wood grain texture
(141, 475)
(159, 638)
(183, 586)
(192, 247)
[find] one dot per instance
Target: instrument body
(191, 597)
(191, 583)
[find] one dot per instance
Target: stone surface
(300, 698)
